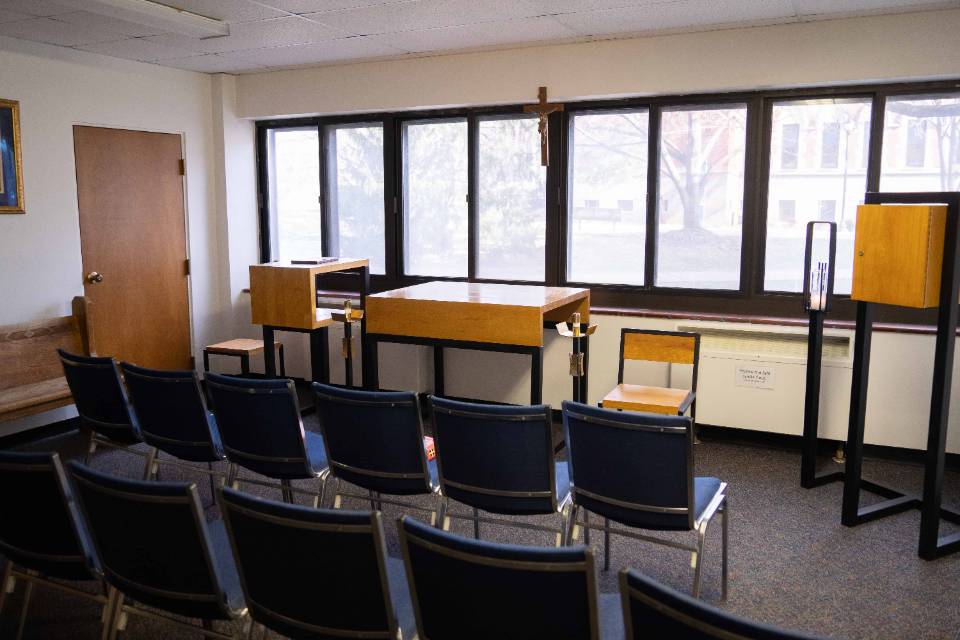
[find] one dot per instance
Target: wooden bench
(31, 376)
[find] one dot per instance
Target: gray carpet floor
(791, 562)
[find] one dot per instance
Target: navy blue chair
(355, 590)
(261, 430)
(157, 550)
(637, 470)
(101, 400)
(173, 418)
(464, 589)
(42, 536)
(654, 610)
(499, 459)
(374, 440)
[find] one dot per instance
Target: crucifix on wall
(543, 109)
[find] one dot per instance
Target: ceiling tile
(422, 14)
(314, 6)
(39, 7)
(211, 63)
(487, 34)
(226, 10)
(53, 31)
(255, 35)
(324, 52)
(134, 49)
(12, 16)
(826, 7)
(115, 25)
(552, 7)
(679, 15)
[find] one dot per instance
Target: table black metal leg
(536, 375)
(811, 413)
(438, 370)
(348, 354)
(269, 355)
(368, 351)
(371, 376)
(319, 355)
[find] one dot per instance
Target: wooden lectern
(283, 296)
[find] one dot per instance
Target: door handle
(93, 277)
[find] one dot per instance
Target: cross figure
(543, 109)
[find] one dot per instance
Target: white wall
(40, 262)
(917, 45)
(880, 48)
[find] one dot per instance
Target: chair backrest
(374, 439)
(100, 396)
(281, 549)
(260, 426)
(674, 347)
(171, 411)
(494, 457)
(465, 588)
(654, 610)
(40, 528)
(635, 468)
(152, 541)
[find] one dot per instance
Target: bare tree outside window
(702, 155)
(920, 136)
(608, 197)
(295, 193)
(511, 203)
(435, 197)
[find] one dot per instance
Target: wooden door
(133, 238)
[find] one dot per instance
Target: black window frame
(749, 300)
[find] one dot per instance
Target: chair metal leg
(336, 493)
(286, 492)
(148, 470)
(571, 525)
(444, 521)
(6, 583)
(698, 560)
(439, 511)
(91, 447)
(723, 523)
(231, 480)
(109, 613)
(373, 502)
(606, 544)
(586, 530)
(23, 609)
(476, 523)
(117, 617)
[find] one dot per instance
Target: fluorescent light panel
(160, 16)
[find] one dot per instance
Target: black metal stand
(811, 408)
(931, 544)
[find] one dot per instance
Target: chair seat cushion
(316, 452)
(704, 489)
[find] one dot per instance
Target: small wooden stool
(243, 348)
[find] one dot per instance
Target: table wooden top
(340, 264)
(495, 313)
(635, 397)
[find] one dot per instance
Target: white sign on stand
(755, 376)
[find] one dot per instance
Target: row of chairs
(630, 468)
(305, 573)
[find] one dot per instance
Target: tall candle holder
(348, 316)
(818, 270)
(578, 357)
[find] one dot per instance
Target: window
(910, 124)
(701, 173)
(830, 146)
(511, 203)
(788, 211)
(294, 193)
(828, 210)
(916, 142)
(355, 192)
(608, 161)
(789, 145)
(839, 123)
(435, 197)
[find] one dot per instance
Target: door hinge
(183, 167)
(186, 267)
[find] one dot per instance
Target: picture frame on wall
(11, 171)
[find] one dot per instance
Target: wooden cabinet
(898, 254)
(283, 294)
